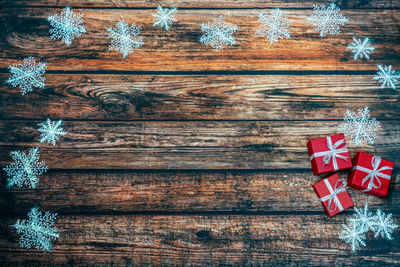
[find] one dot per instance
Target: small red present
(333, 195)
(328, 154)
(371, 174)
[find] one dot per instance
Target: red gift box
(371, 174)
(333, 195)
(328, 154)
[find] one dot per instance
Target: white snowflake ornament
(274, 26)
(353, 235)
(165, 17)
(66, 26)
(25, 169)
(328, 20)
(218, 34)
(361, 48)
(50, 131)
(27, 75)
(38, 230)
(360, 126)
(124, 38)
(363, 218)
(387, 77)
(383, 225)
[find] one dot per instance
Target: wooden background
(180, 155)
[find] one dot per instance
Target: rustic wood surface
(180, 155)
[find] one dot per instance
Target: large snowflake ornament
(354, 235)
(383, 225)
(27, 75)
(360, 126)
(50, 131)
(66, 26)
(274, 26)
(363, 218)
(165, 17)
(361, 48)
(387, 77)
(328, 20)
(124, 38)
(38, 230)
(25, 169)
(218, 34)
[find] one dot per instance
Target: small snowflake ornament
(66, 26)
(274, 26)
(25, 169)
(124, 38)
(165, 17)
(38, 230)
(353, 235)
(27, 75)
(361, 48)
(360, 126)
(387, 77)
(50, 131)
(218, 34)
(328, 20)
(383, 225)
(363, 218)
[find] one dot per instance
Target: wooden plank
(306, 240)
(202, 3)
(27, 34)
(199, 97)
(185, 144)
(184, 191)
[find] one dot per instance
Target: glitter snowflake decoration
(363, 218)
(66, 26)
(218, 34)
(361, 48)
(360, 126)
(353, 235)
(38, 230)
(50, 131)
(124, 38)
(25, 169)
(274, 26)
(383, 225)
(165, 17)
(27, 75)
(328, 20)
(387, 77)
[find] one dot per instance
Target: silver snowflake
(218, 34)
(360, 126)
(363, 218)
(165, 17)
(387, 77)
(27, 75)
(38, 230)
(354, 235)
(328, 20)
(50, 131)
(124, 38)
(274, 26)
(66, 26)
(383, 225)
(361, 48)
(25, 169)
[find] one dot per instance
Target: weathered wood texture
(203, 3)
(27, 34)
(213, 240)
(96, 192)
(185, 144)
(186, 97)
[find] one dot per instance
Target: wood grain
(198, 97)
(27, 34)
(185, 145)
(97, 192)
(238, 240)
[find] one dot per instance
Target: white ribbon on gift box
(332, 153)
(373, 174)
(333, 195)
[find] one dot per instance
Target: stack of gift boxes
(368, 173)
